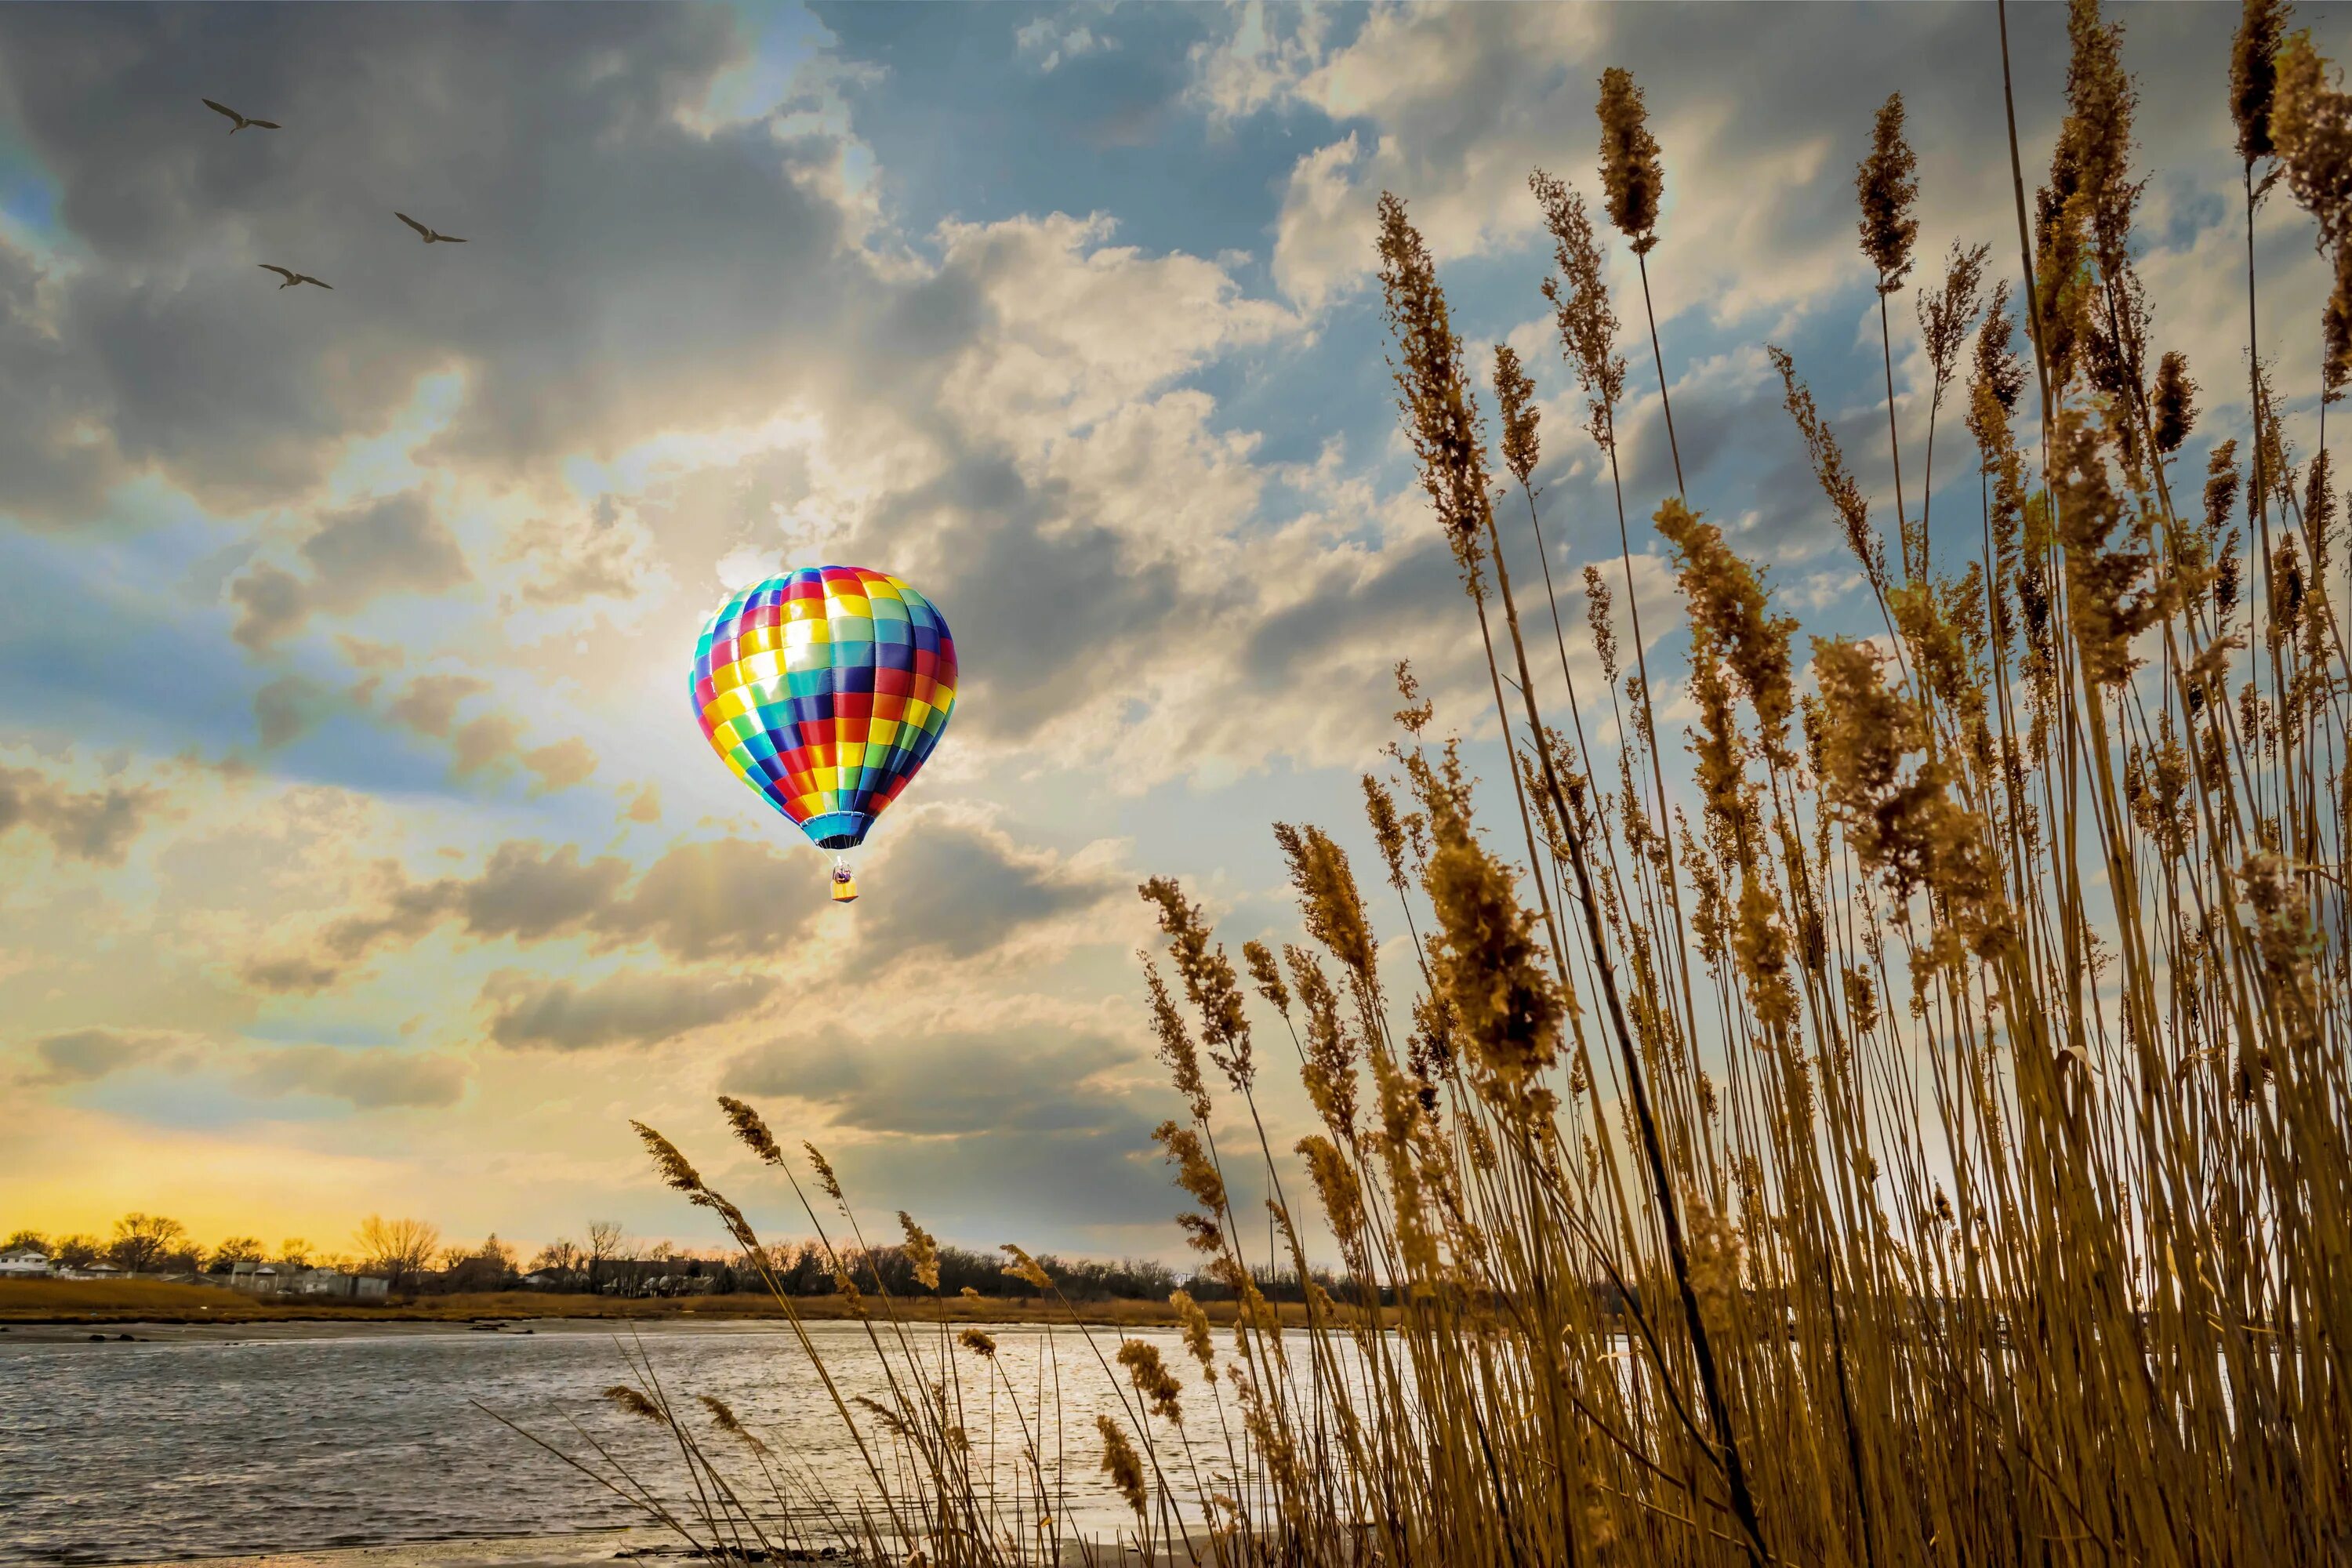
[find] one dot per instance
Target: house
(20, 1261)
(255, 1278)
(333, 1283)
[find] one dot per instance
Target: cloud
(949, 1082)
(716, 899)
(629, 1008)
(289, 707)
(81, 1056)
(963, 888)
(190, 360)
(272, 603)
(429, 704)
(395, 545)
(1050, 41)
(562, 765)
(728, 897)
(97, 825)
(365, 1080)
(481, 743)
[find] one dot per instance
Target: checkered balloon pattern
(826, 689)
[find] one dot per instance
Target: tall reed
(1964, 1176)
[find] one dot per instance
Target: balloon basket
(844, 886)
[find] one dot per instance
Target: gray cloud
(562, 765)
(628, 1008)
(289, 707)
(720, 898)
(428, 705)
(79, 1055)
(393, 545)
(948, 1083)
(244, 393)
(967, 891)
(97, 825)
(366, 1079)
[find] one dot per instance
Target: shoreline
(567, 1550)
(152, 1306)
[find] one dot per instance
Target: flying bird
(291, 277)
(430, 235)
(241, 121)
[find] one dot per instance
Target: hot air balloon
(826, 689)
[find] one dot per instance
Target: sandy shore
(514, 1551)
(652, 1547)
(388, 1328)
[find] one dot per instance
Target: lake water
(120, 1452)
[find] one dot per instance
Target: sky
(359, 849)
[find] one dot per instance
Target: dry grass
(159, 1301)
(1938, 1049)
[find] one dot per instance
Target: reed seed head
(1631, 170)
(675, 1169)
(823, 1169)
(1198, 1341)
(635, 1403)
(1176, 1050)
(2254, 75)
(2173, 404)
(1121, 1463)
(1152, 1379)
(1266, 975)
(1515, 395)
(923, 1251)
(1886, 185)
(1027, 1269)
(751, 1130)
(1433, 394)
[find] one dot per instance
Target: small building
(257, 1278)
(21, 1262)
(334, 1282)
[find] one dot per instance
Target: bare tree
(17, 1238)
(142, 1240)
(239, 1249)
(604, 1244)
(399, 1249)
(295, 1252)
(561, 1256)
(77, 1251)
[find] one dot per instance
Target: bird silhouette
(430, 235)
(241, 121)
(292, 277)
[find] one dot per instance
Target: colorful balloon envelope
(826, 689)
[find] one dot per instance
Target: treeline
(411, 1256)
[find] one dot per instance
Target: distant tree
(486, 1268)
(188, 1259)
(561, 1256)
(398, 1249)
(142, 1240)
(239, 1249)
(78, 1251)
(604, 1244)
(294, 1252)
(17, 1238)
